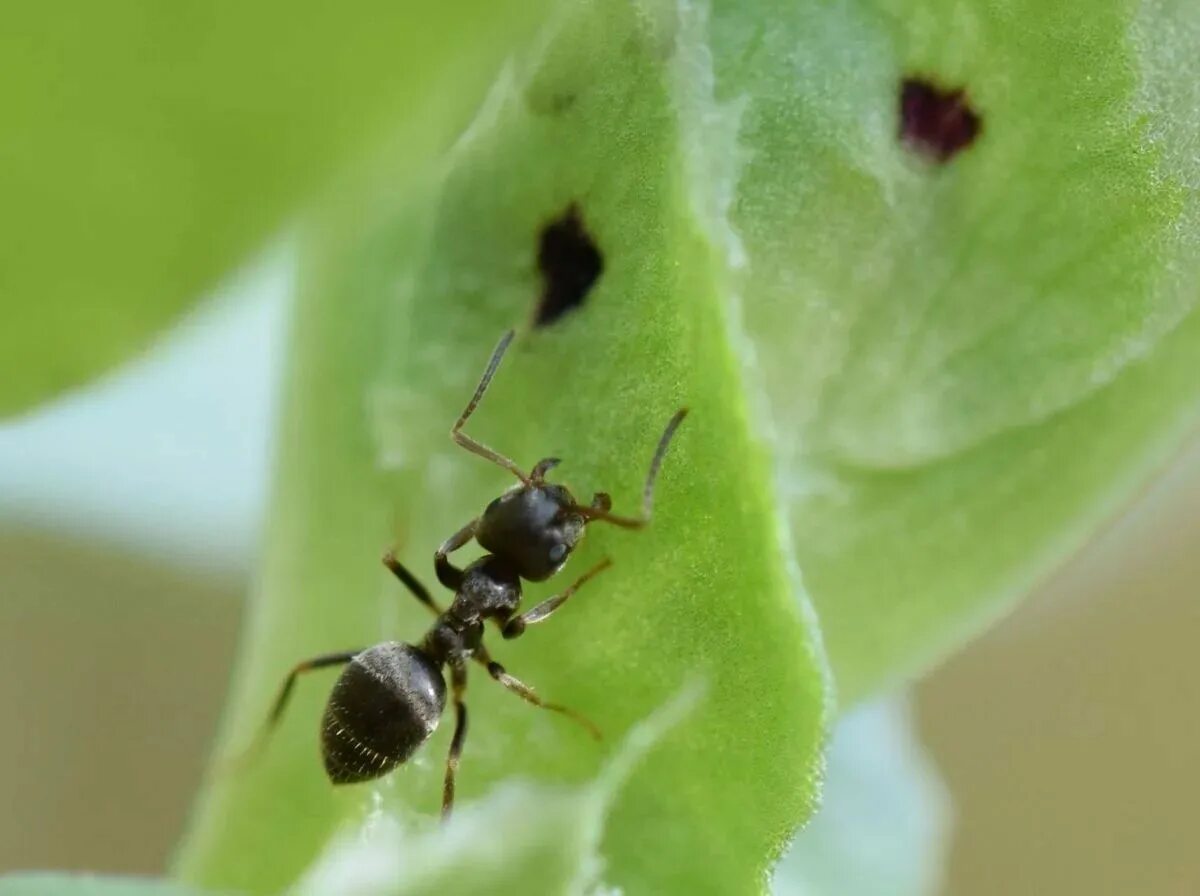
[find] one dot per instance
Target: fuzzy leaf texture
(145, 150)
(969, 366)
(918, 382)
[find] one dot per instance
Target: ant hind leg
(284, 696)
(458, 685)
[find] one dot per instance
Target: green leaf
(884, 817)
(522, 838)
(54, 884)
(967, 366)
(958, 369)
(146, 148)
(398, 318)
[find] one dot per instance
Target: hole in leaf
(553, 104)
(570, 264)
(934, 122)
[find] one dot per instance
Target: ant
(390, 697)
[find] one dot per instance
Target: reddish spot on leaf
(934, 122)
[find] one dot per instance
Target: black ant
(389, 699)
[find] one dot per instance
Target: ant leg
(449, 574)
(515, 626)
(419, 591)
(285, 693)
(464, 440)
(458, 684)
(526, 693)
(599, 510)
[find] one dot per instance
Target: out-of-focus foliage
(884, 817)
(47, 884)
(145, 148)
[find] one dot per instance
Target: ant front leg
(414, 586)
(458, 687)
(526, 693)
(515, 626)
(449, 574)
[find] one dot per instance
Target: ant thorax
(490, 588)
(452, 640)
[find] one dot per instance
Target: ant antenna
(628, 522)
(461, 438)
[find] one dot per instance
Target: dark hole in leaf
(937, 123)
(558, 104)
(570, 264)
(550, 103)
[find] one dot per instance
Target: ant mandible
(390, 697)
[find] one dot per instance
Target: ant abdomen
(384, 705)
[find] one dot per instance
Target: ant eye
(558, 552)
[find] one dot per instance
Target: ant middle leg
(515, 626)
(411, 582)
(526, 693)
(458, 686)
(462, 439)
(599, 509)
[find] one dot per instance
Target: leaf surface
(400, 314)
(966, 366)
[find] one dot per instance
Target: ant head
(533, 526)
